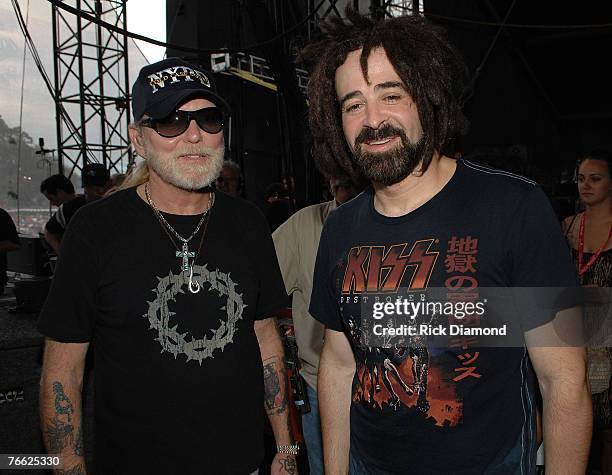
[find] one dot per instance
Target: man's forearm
(334, 391)
(568, 422)
(276, 397)
(276, 400)
(61, 422)
(275, 380)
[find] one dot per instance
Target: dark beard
(391, 167)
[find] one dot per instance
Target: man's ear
(137, 140)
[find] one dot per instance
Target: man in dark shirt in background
(277, 207)
(96, 180)
(58, 189)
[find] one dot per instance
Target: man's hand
(284, 464)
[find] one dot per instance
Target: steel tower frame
(384, 8)
(395, 8)
(91, 86)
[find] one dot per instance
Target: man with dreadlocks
(385, 101)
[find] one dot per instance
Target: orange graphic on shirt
(444, 408)
(382, 269)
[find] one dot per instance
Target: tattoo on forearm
(59, 432)
(275, 399)
(57, 435)
(288, 464)
(62, 402)
(271, 385)
(76, 470)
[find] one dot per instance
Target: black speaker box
(31, 293)
(21, 350)
(19, 387)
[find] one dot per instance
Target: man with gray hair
(229, 180)
(177, 297)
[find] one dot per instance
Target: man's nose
(374, 117)
(193, 133)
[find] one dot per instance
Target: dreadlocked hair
(432, 70)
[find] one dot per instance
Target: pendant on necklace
(194, 286)
(185, 255)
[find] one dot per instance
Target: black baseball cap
(94, 174)
(162, 86)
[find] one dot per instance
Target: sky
(34, 108)
(148, 18)
(145, 17)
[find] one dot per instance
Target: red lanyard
(582, 269)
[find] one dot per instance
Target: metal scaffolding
(380, 8)
(329, 8)
(395, 8)
(260, 68)
(91, 87)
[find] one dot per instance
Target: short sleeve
(286, 245)
(59, 221)
(540, 258)
(323, 303)
(69, 312)
(272, 295)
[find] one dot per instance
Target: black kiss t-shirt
(460, 408)
(178, 375)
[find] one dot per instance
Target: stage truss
(91, 86)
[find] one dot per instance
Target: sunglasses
(209, 119)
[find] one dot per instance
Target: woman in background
(589, 234)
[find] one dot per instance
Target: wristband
(288, 449)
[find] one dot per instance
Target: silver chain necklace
(184, 254)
